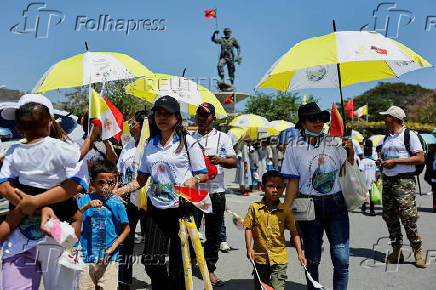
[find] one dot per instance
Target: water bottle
(99, 233)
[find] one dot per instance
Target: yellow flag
(305, 100)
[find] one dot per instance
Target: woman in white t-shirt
(312, 164)
(166, 162)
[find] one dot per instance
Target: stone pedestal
(237, 97)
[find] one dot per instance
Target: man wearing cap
(399, 188)
(218, 147)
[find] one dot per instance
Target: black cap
(167, 103)
(312, 109)
(207, 107)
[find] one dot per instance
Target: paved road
(368, 245)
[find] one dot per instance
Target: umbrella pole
(340, 86)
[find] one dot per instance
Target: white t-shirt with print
(220, 144)
(318, 174)
(42, 164)
(166, 168)
(369, 168)
(128, 166)
(394, 148)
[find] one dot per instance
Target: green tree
(384, 95)
(276, 106)
(77, 101)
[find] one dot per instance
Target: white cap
(9, 113)
(395, 112)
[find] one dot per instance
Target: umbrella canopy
(377, 140)
(357, 136)
(276, 127)
(428, 138)
(237, 133)
(188, 93)
(363, 56)
(250, 121)
(90, 67)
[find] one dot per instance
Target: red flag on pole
(229, 99)
(349, 106)
(336, 123)
(352, 114)
(211, 13)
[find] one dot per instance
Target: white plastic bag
(353, 185)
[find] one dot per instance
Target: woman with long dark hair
(312, 165)
(170, 157)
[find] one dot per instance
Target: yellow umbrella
(340, 59)
(377, 140)
(88, 68)
(363, 56)
(188, 93)
(357, 136)
(249, 121)
(276, 127)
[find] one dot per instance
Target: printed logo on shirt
(324, 176)
(392, 153)
(163, 181)
(30, 227)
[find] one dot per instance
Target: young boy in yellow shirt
(266, 222)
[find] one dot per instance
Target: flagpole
(216, 20)
(340, 86)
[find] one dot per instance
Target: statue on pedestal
(227, 57)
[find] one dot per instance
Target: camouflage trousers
(399, 203)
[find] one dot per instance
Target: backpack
(420, 167)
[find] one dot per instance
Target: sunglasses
(314, 118)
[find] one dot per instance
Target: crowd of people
(96, 195)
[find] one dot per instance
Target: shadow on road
(425, 209)
(248, 284)
(367, 253)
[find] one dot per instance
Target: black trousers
(162, 238)
(213, 222)
(127, 260)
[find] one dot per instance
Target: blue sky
(265, 30)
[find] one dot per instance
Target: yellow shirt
(268, 228)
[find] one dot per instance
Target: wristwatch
(198, 177)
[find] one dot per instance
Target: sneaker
(224, 247)
(72, 260)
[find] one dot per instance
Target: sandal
(216, 282)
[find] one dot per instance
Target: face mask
(307, 132)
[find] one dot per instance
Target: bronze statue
(227, 57)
